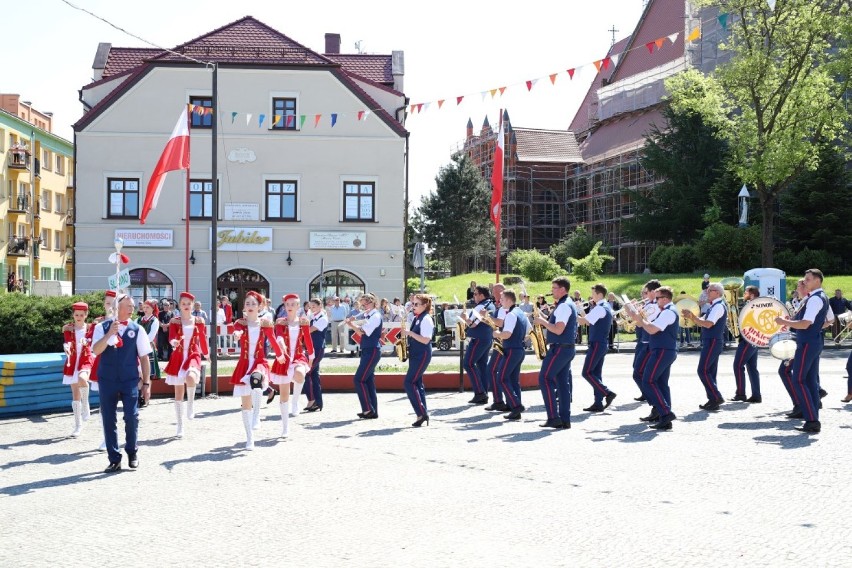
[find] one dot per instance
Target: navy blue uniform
(598, 346)
(313, 385)
(662, 353)
(555, 379)
(492, 374)
(419, 356)
(476, 355)
(806, 362)
(365, 375)
(746, 360)
(712, 343)
(509, 371)
(643, 351)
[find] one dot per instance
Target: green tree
(578, 243)
(533, 265)
(689, 157)
(453, 220)
(591, 266)
(781, 91)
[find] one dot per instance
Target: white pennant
(614, 59)
(771, 4)
(673, 37)
(248, 119)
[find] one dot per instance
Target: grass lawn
(629, 284)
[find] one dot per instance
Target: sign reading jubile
(243, 239)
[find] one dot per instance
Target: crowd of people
(120, 356)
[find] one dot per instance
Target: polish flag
(175, 157)
(497, 181)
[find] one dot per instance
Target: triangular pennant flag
(233, 117)
(694, 34)
(459, 100)
(598, 64)
(290, 121)
(571, 73)
(440, 103)
(723, 21)
(208, 110)
(493, 92)
(426, 106)
(606, 62)
(413, 109)
(191, 107)
(614, 60)
(333, 119)
(260, 120)
(276, 118)
(302, 118)
(553, 78)
(529, 85)
(317, 118)
(659, 42)
(360, 114)
(650, 46)
(419, 107)
(199, 110)
(366, 114)
(673, 37)
(248, 118)
(484, 93)
(502, 90)
(771, 4)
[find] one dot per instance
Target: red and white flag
(497, 181)
(175, 157)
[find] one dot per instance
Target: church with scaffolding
(557, 180)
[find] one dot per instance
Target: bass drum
(757, 320)
(783, 346)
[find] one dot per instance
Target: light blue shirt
(338, 313)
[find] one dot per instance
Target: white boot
(249, 433)
(285, 419)
(78, 419)
(84, 399)
(295, 397)
(179, 416)
(190, 402)
(256, 395)
(102, 447)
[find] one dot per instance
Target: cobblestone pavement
(739, 487)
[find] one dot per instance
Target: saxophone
(539, 344)
(400, 346)
(497, 345)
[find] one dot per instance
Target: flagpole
(499, 224)
(214, 337)
(186, 252)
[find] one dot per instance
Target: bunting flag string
(607, 63)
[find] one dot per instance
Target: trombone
(732, 286)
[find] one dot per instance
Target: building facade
(36, 197)
(311, 152)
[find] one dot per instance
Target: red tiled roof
(384, 115)
(381, 86)
(660, 19)
(123, 59)
(588, 109)
(555, 146)
(622, 134)
(247, 41)
(376, 68)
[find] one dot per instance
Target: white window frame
(57, 203)
(282, 177)
(57, 240)
(59, 166)
(46, 159)
(45, 242)
(341, 196)
(46, 200)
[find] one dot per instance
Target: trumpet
(622, 316)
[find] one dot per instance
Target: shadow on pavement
(214, 455)
(627, 433)
(55, 459)
(451, 410)
(526, 436)
(697, 416)
(25, 488)
(222, 412)
(381, 432)
(774, 424)
(470, 419)
(791, 442)
(324, 425)
(36, 442)
(158, 441)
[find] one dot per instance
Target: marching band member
(599, 320)
(150, 322)
(848, 397)
(476, 355)
(808, 324)
(745, 359)
(713, 327)
(319, 323)
(419, 334)
(365, 378)
(785, 369)
(251, 375)
(555, 379)
(78, 365)
(640, 357)
(491, 373)
(515, 329)
(662, 332)
(294, 337)
(188, 338)
(109, 314)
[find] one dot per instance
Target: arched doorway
(236, 283)
(148, 283)
(339, 283)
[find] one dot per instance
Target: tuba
(539, 344)
(732, 286)
(400, 346)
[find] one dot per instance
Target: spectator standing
(471, 290)
(839, 305)
(705, 282)
(337, 313)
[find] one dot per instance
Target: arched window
(339, 283)
(147, 283)
(236, 283)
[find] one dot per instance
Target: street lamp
(743, 198)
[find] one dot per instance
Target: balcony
(69, 217)
(19, 204)
(18, 246)
(19, 157)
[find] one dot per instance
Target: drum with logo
(757, 322)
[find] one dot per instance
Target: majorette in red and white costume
(78, 365)
(188, 337)
(294, 337)
(250, 332)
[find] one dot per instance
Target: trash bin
(770, 281)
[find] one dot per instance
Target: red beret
(256, 296)
(154, 306)
(291, 297)
(80, 306)
(187, 295)
(110, 293)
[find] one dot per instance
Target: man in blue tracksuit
(599, 320)
(662, 331)
(745, 359)
(480, 335)
(515, 329)
(713, 327)
(124, 348)
(640, 358)
(808, 323)
(555, 379)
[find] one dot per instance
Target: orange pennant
(276, 119)
(598, 65)
(440, 104)
(553, 78)
(493, 92)
(660, 42)
(413, 108)
(317, 118)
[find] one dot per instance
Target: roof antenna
(613, 31)
(358, 45)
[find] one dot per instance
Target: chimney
(99, 64)
(332, 43)
(398, 70)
